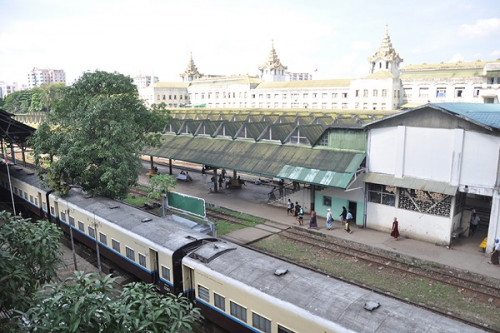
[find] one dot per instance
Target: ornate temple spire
(386, 58)
(191, 73)
(273, 69)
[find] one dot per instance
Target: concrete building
(6, 89)
(37, 77)
(386, 87)
(143, 81)
(430, 167)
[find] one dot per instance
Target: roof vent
(281, 271)
(114, 207)
(370, 305)
(146, 219)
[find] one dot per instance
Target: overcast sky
(234, 37)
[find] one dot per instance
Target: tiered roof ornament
(191, 73)
(386, 58)
(272, 69)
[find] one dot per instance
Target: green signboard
(187, 203)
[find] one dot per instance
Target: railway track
(473, 285)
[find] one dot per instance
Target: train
(239, 289)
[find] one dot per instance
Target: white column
(494, 227)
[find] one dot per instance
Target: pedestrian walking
(301, 216)
(313, 223)
(329, 220)
(395, 229)
(474, 221)
(348, 220)
(289, 208)
(297, 208)
(343, 215)
(494, 254)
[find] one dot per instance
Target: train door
(55, 212)
(188, 281)
(153, 263)
(352, 207)
(38, 203)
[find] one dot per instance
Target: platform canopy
(325, 167)
(12, 130)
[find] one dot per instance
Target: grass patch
(225, 227)
(136, 201)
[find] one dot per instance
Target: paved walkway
(252, 199)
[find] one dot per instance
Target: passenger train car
(239, 289)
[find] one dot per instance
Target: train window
(72, 221)
(81, 226)
(63, 216)
(165, 273)
(142, 260)
(31, 198)
(204, 293)
(115, 245)
(130, 253)
(282, 329)
(44, 206)
(220, 302)
(15, 190)
(261, 323)
(238, 311)
(52, 211)
(26, 195)
(103, 238)
(91, 232)
(36, 201)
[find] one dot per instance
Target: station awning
(410, 182)
(320, 166)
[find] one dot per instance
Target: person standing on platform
(494, 254)
(301, 216)
(474, 221)
(289, 207)
(221, 180)
(329, 220)
(313, 223)
(395, 229)
(297, 208)
(343, 215)
(348, 219)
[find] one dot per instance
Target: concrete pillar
(215, 180)
(169, 166)
(313, 194)
(494, 228)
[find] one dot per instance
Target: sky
(330, 39)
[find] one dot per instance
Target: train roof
(171, 232)
(328, 298)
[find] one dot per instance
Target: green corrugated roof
(312, 132)
(279, 131)
(255, 129)
(231, 128)
(260, 158)
(192, 125)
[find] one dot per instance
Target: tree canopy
(90, 303)
(97, 130)
(33, 100)
(29, 255)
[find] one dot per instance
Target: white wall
(428, 153)
(415, 225)
(480, 161)
(381, 151)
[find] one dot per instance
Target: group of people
(297, 211)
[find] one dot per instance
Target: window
(165, 273)
(204, 293)
(324, 140)
(424, 202)
(382, 194)
(63, 216)
(344, 95)
(115, 245)
(459, 91)
(31, 198)
(365, 93)
(476, 91)
(81, 226)
(142, 260)
(441, 92)
(129, 253)
(282, 329)
(375, 92)
(44, 205)
(261, 323)
(103, 238)
(407, 92)
(71, 220)
(335, 95)
(384, 92)
(356, 93)
(238, 311)
(423, 92)
(91, 232)
(51, 209)
(327, 201)
(220, 302)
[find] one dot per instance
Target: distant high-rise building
(38, 77)
(6, 89)
(143, 81)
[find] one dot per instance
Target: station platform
(252, 199)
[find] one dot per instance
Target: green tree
(159, 185)
(90, 303)
(29, 255)
(100, 127)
